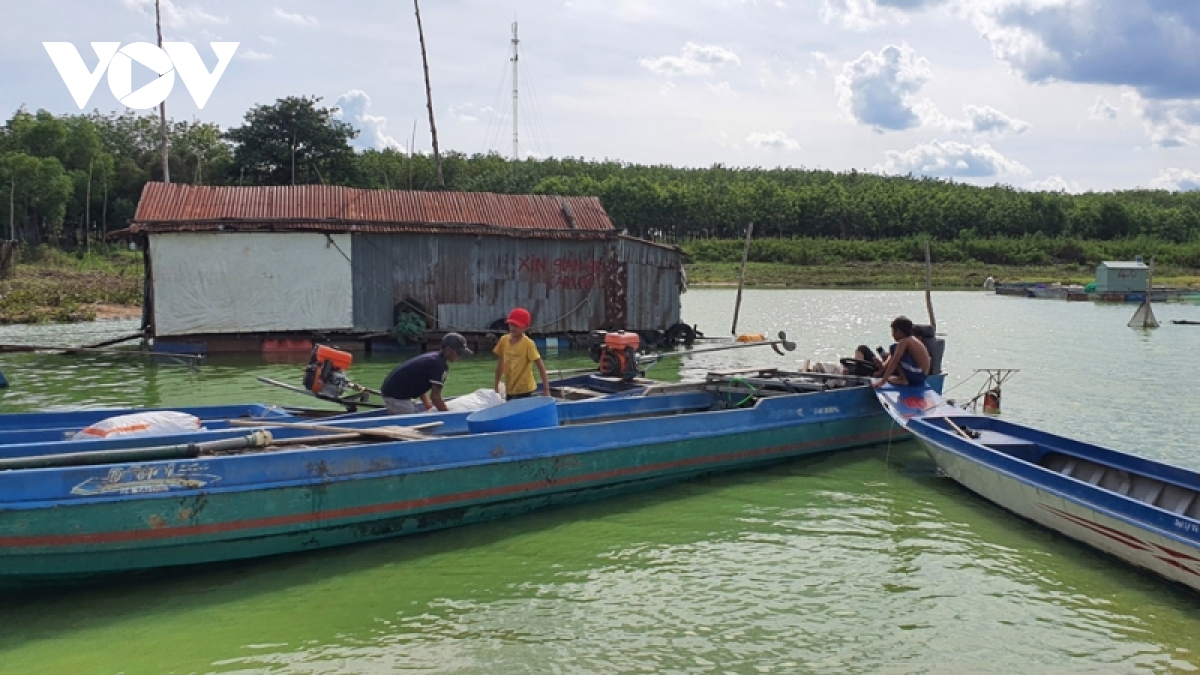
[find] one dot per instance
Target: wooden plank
(393, 432)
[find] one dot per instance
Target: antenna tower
(515, 56)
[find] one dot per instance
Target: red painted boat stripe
(374, 509)
(1132, 542)
(1116, 535)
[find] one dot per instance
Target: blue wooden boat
(1144, 512)
(116, 514)
(58, 425)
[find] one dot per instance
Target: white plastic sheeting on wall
(218, 282)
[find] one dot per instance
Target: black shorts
(514, 397)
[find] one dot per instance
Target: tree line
(70, 174)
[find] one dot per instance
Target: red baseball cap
(520, 318)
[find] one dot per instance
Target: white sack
(476, 400)
(141, 424)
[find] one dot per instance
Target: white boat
(1144, 512)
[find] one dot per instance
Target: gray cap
(456, 342)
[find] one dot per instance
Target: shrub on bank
(1029, 250)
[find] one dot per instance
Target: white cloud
(865, 14)
(772, 140)
(1151, 45)
(471, 113)
(354, 109)
(980, 120)
(176, 16)
(302, 20)
(1102, 110)
(1054, 184)
(694, 60)
(853, 14)
(252, 54)
(878, 89)
(951, 159)
(988, 120)
(1181, 180)
(268, 39)
(776, 73)
(1169, 124)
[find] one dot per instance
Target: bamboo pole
(737, 305)
(437, 157)
(390, 432)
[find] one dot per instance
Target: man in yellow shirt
(517, 355)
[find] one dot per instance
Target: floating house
(272, 268)
(1121, 277)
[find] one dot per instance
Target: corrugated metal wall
(470, 282)
(653, 285)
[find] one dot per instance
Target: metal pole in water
(737, 305)
(162, 106)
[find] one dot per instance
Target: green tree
(292, 142)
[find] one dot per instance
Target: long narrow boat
(77, 419)
(1144, 512)
(70, 521)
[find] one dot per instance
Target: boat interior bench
(1009, 445)
(1174, 498)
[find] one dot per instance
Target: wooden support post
(737, 305)
(929, 286)
(437, 157)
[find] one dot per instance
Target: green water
(864, 561)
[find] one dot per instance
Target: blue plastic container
(535, 412)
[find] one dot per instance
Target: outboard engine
(933, 343)
(325, 375)
(615, 352)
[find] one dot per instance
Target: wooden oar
(391, 432)
(965, 433)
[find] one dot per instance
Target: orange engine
(616, 353)
(326, 372)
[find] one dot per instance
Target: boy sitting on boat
(908, 361)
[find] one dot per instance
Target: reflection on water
(865, 561)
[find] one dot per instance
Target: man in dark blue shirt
(422, 377)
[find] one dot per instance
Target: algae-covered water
(863, 561)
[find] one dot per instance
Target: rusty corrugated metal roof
(169, 207)
(341, 226)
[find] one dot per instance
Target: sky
(1062, 95)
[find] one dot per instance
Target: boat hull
(67, 523)
(1077, 512)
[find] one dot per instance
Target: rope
(587, 299)
(964, 381)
